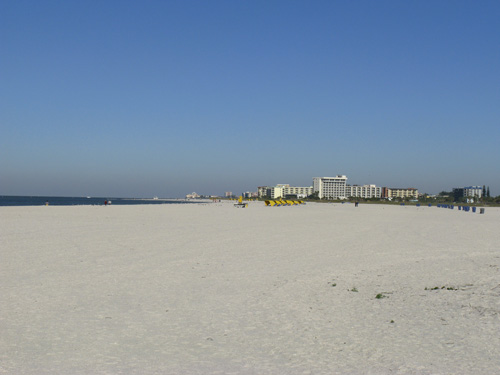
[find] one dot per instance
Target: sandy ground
(213, 289)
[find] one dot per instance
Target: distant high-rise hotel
(229, 194)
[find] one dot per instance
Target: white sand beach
(213, 289)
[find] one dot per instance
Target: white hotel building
(330, 187)
(336, 188)
(284, 190)
(326, 187)
(365, 191)
(473, 191)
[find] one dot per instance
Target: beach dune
(212, 289)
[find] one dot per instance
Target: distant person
(356, 204)
(46, 203)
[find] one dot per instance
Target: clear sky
(144, 98)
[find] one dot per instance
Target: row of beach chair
(278, 203)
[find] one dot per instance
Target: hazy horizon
(130, 99)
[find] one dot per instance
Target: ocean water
(79, 201)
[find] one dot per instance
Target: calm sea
(79, 201)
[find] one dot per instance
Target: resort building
(299, 192)
(249, 194)
(473, 191)
(336, 188)
(284, 191)
(276, 191)
(399, 193)
(468, 192)
(262, 191)
(330, 187)
(365, 191)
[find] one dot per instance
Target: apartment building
(249, 194)
(299, 192)
(399, 193)
(365, 191)
(262, 191)
(330, 187)
(473, 191)
(469, 191)
(283, 191)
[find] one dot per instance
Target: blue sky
(137, 99)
